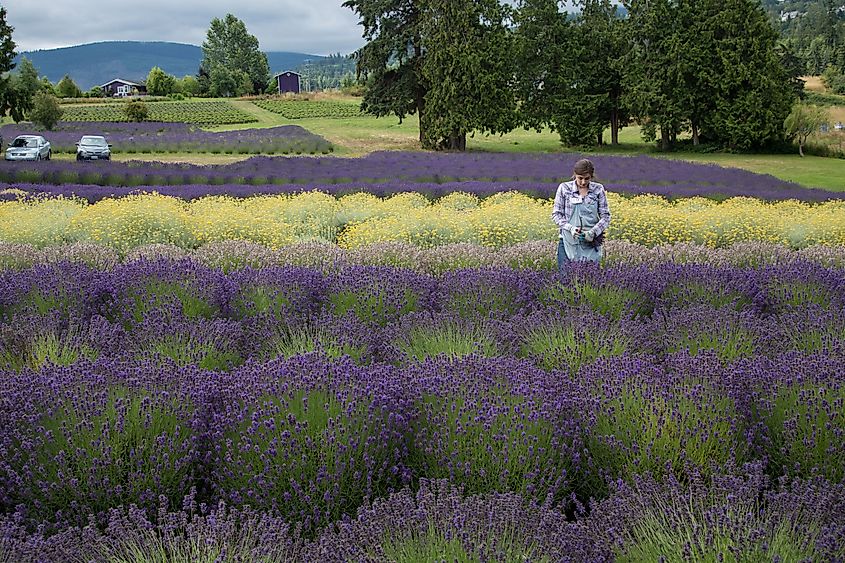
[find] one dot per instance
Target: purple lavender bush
(196, 533)
(648, 419)
(417, 336)
(738, 516)
(440, 522)
(309, 439)
(323, 334)
(797, 399)
(494, 425)
(33, 341)
(615, 292)
(482, 292)
(209, 344)
(182, 289)
(378, 295)
(576, 336)
(283, 293)
(92, 437)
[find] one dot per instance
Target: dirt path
(265, 117)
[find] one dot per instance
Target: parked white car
(29, 147)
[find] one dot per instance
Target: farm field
(357, 136)
(371, 356)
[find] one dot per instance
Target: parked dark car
(29, 147)
(93, 147)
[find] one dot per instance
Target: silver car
(29, 147)
(93, 147)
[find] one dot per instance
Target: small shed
(288, 81)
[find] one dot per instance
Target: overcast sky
(315, 27)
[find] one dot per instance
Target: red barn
(288, 81)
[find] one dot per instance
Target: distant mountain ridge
(97, 63)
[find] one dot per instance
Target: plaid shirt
(562, 210)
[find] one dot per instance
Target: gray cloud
(317, 27)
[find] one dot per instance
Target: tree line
(815, 32)
(709, 68)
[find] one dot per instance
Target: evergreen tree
(600, 36)
(652, 79)
(469, 69)
(391, 61)
(466, 88)
(752, 94)
(544, 81)
(10, 97)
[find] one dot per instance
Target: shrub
(136, 110)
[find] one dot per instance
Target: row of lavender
(305, 442)
(152, 137)
(384, 173)
(737, 517)
(188, 314)
(757, 299)
(230, 255)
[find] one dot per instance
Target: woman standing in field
(582, 215)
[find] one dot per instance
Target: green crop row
(203, 113)
(303, 109)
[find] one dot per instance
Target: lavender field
(384, 173)
(240, 378)
(306, 409)
(157, 137)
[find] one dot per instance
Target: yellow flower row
(360, 219)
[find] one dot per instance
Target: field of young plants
(376, 359)
(302, 109)
(213, 112)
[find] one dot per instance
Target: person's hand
(574, 230)
(590, 235)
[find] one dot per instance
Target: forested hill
(97, 63)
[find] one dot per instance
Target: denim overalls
(585, 214)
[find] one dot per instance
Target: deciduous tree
(159, 83)
(230, 46)
(803, 121)
(136, 110)
(67, 88)
(46, 110)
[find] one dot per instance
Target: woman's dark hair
(584, 167)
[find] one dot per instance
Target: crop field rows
(203, 113)
(376, 359)
(291, 109)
